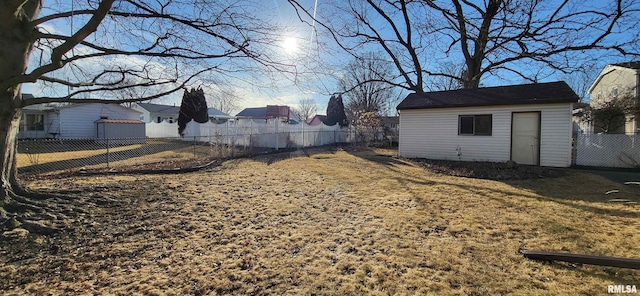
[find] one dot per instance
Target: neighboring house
(35, 122)
(616, 81)
(269, 112)
(390, 122)
(580, 123)
(217, 116)
(318, 120)
(529, 124)
(158, 113)
(390, 127)
(72, 121)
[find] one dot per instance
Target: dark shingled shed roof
(525, 94)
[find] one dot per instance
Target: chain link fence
(607, 150)
(43, 156)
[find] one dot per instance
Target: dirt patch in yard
(488, 170)
(324, 222)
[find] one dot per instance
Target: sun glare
(290, 45)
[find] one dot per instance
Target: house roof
(631, 65)
(580, 105)
(172, 110)
(75, 105)
(322, 118)
(51, 107)
(538, 93)
(386, 120)
(120, 121)
(161, 109)
(253, 112)
(268, 111)
(213, 112)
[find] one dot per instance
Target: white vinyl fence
(608, 150)
(254, 133)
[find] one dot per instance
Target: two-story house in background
(616, 82)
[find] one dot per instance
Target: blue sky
(317, 87)
(280, 12)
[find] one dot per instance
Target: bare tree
(365, 86)
(130, 93)
(157, 45)
(223, 97)
(581, 79)
(367, 127)
(448, 82)
(610, 116)
(529, 40)
(306, 110)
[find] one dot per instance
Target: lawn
(326, 222)
(51, 156)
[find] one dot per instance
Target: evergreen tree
(193, 106)
(335, 111)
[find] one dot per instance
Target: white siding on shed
(433, 134)
(78, 121)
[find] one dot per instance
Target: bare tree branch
(500, 37)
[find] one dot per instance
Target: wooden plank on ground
(584, 259)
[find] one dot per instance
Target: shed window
(478, 125)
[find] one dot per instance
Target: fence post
(250, 133)
(276, 133)
(226, 135)
(107, 152)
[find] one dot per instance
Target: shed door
(525, 138)
(101, 126)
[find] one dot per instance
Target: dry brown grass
(156, 155)
(25, 159)
(329, 222)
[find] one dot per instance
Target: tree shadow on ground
(545, 184)
(541, 192)
(275, 156)
(102, 158)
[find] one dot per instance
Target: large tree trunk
(17, 36)
(472, 79)
(9, 124)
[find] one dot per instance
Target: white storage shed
(529, 124)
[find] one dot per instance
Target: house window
(478, 125)
(35, 122)
(159, 119)
(614, 93)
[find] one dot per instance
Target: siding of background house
(145, 116)
(78, 121)
(626, 81)
(433, 134)
(616, 77)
